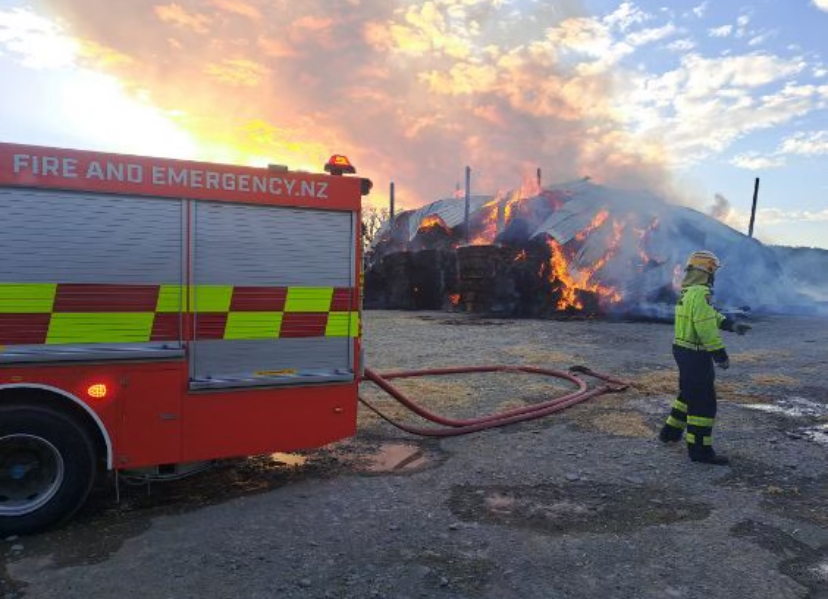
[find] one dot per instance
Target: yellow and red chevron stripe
(67, 313)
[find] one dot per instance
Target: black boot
(669, 434)
(708, 456)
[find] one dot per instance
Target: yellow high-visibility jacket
(697, 322)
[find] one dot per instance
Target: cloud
(821, 4)
(741, 25)
(703, 106)
(775, 216)
(415, 91)
(806, 144)
(176, 15)
(237, 72)
(809, 144)
(625, 16)
(723, 31)
(700, 9)
(646, 36)
(754, 162)
(707, 75)
(682, 45)
(36, 41)
(238, 7)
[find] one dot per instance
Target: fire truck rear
(156, 313)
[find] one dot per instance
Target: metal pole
(468, 202)
(539, 180)
(753, 210)
(391, 202)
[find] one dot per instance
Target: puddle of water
(395, 457)
(289, 459)
(795, 407)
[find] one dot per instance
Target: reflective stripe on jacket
(697, 322)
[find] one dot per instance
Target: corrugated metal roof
(452, 211)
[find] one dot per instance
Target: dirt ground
(582, 503)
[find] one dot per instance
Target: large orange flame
(432, 222)
(559, 271)
(571, 279)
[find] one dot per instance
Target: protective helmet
(704, 261)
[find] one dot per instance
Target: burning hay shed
(574, 249)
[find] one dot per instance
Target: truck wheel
(47, 468)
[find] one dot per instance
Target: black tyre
(47, 468)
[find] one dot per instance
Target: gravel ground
(582, 503)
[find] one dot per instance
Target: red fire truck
(156, 313)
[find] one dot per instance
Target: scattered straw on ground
(773, 380)
(538, 356)
(438, 392)
(657, 382)
(542, 389)
(586, 410)
(743, 397)
(751, 357)
(665, 383)
(510, 404)
(622, 424)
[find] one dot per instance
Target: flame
(644, 236)
(510, 206)
(488, 231)
(529, 187)
(612, 250)
(497, 215)
(599, 219)
(454, 298)
(571, 280)
(559, 270)
(432, 222)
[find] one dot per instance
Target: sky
(690, 99)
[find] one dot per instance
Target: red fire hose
(461, 427)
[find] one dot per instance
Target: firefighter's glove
(724, 364)
(741, 328)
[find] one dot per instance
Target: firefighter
(696, 347)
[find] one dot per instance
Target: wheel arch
(54, 397)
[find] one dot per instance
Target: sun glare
(85, 105)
